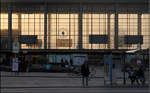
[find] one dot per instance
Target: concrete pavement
(39, 82)
(75, 90)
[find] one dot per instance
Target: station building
(66, 27)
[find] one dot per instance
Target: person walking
(85, 74)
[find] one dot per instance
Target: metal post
(124, 68)
(45, 27)
(80, 28)
(116, 27)
(9, 28)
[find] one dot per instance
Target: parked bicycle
(75, 71)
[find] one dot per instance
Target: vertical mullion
(45, 27)
(49, 30)
(40, 27)
(10, 28)
(28, 26)
(91, 27)
(34, 27)
(108, 29)
(116, 26)
(69, 28)
(74, 32)
(139, 25)
(99, 29)
(56, 30)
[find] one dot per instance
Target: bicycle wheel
(92, 73)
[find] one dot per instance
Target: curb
(78, 87)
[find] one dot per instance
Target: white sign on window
(79, 59)
(15, 64)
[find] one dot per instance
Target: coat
(85, 70)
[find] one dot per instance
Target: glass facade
(127, 25)
(63, 29)
(33, 24)
(145, 24)
(98, 24)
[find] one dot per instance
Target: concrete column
(49, 30)
(116, 27)
(45, 27)
(139, 26)
(80, 28)
(10, 28)
(108, 28)
(19, 27)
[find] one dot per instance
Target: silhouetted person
(71, 62)
(62, 63)
(85, 73)
(133, 76)
(140, 74)
(66, 64)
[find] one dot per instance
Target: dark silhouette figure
(133, 76)
(66, 64)
(140, 75)
(71, 62)
(62, 63)
(85, 74)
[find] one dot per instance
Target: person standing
(85, 74)
(140, 74)
(131, 73)
(133, 76)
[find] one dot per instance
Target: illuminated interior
(62, 29)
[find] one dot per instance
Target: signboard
(98, 39)
(15, 64)
(28, 39)
(79, 59)
(64, 42)
(16, 47)
(133, 39)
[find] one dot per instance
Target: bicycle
(76, 72)
(92, 72)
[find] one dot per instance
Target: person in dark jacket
(85, 74)
(133, 76)
(140, 74)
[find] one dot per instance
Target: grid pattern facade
(64, 28)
